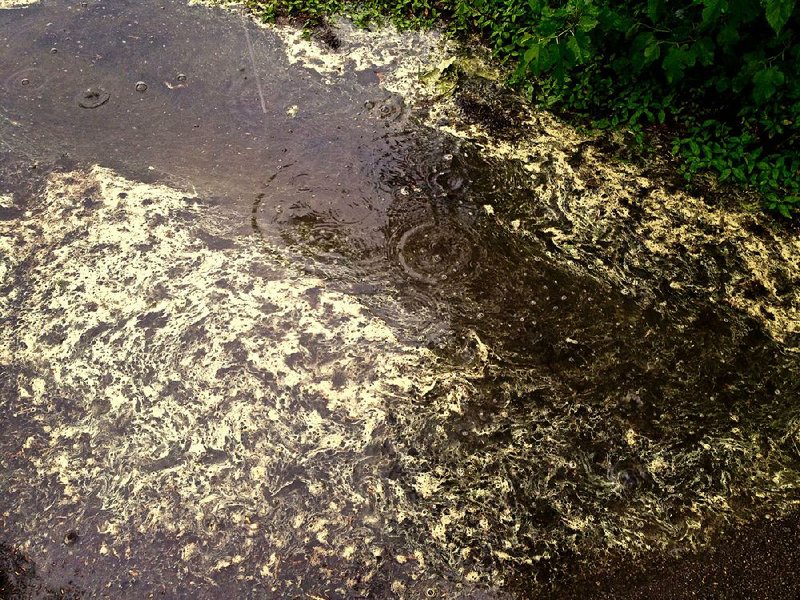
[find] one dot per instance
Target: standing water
(275, 323)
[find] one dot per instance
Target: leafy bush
(723, 76)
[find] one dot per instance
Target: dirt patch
(16, 573)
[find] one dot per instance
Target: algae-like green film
(282, 318)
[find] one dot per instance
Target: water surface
(264, 335)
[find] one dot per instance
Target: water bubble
(434, 250)
(93, 97)
(181, 77)
(141, 86)
(392, 108)
(31, 78)
(629, 476)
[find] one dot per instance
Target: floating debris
(70, 537)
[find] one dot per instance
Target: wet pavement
(273, 324)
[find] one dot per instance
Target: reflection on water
(324, 368)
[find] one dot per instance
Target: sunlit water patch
(193, 388)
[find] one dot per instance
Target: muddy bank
(303, 321)
(757, 561)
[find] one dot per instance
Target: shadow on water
(584, 405)
(581, 422)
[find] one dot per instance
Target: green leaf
(578, 44)
(614, 21)
(727, 36)
(654, 10)
(639, 49)
(778, 13)
(711, 11)
(531, 56)
(766, 83)
(652, 51)
(676, 62)
(587, 22)
(703, 49)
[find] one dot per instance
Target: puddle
(269, 330)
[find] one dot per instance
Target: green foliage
(721, 76)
